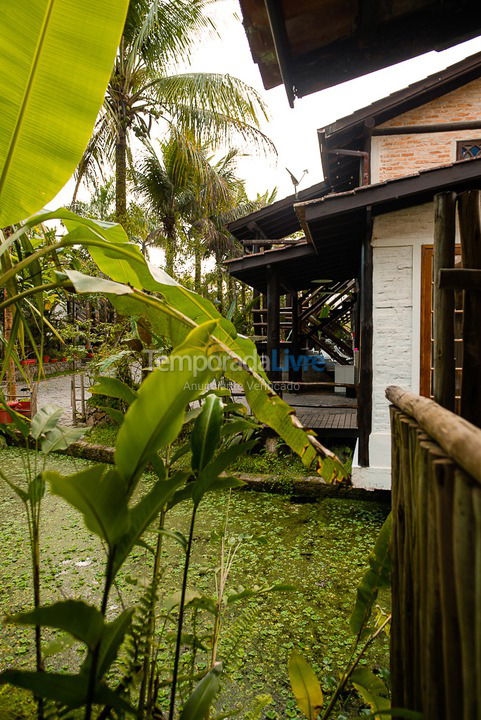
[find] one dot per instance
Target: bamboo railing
(436, 547)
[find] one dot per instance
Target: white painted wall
(397, 240)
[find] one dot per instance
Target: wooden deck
(330, 414)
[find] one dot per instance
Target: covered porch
(306, 313)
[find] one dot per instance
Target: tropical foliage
(144, 89)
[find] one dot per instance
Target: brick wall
(397, 155)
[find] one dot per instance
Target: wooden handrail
(459, 439)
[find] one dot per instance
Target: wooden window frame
(461, 143)
(425, 360)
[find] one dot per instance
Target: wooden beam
(470, 229)
(273, 330)
(433, 128)
(443, 257)
(295, 374)
(460, 279)
(459, 439)
(279, 241)
(364, 408)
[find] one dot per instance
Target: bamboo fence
(436, 547)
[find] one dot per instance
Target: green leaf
(62, 642)
(198, 704)
(83, 622)
(143, 514)
(45, 419)
(305, 686)
(398, 713)
(116, 415)
(36, 489)
(205, 434)
(155, 418)
(88, 284)
(226, 457)
(180, 312)
(99, 494)
(200, 488)
(60, 438)
(69, 690)
(57, 58)
(115, 388)
(372, 689)
(376, 577)
(20, 492)
(238, 426)
(112, 638)
(183, 450)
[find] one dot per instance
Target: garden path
(56, 391)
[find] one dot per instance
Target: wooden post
(295, 374)
(470, 227)
(256, 317)
(273, 330)
(443, 301)
(364, 400)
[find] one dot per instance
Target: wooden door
(427, 340)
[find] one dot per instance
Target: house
(312, 44)
(367, 244)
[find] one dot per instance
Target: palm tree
(166, 182)
(218, 241)
(143, 90)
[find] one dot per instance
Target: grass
(283, 464)
(320, 548)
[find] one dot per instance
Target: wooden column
(256, 317)
(364, 397)
(470, 227)
(295, 374)
(273, 329)
(443, 300)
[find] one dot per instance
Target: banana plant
(138, 289)
(43, 435)
(105, 497)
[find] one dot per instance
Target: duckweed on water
(320, 548)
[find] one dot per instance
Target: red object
(30, 361)
(64, 359)
(90, 354)
(24, 407)
(5, 416)
(46, 358)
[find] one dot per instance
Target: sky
(293, 131)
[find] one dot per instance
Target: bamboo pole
(458, 438)
(397, 678)
(470, 228)
(463, 544)
(477, 590)
(452, 690)
(444, 242)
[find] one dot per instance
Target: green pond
(319, 548)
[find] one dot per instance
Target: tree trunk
(197, 267)
(231, 291)
(121, 175)
(7, 331)
(220, 282)
(243, 298)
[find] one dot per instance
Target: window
(467, 149)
